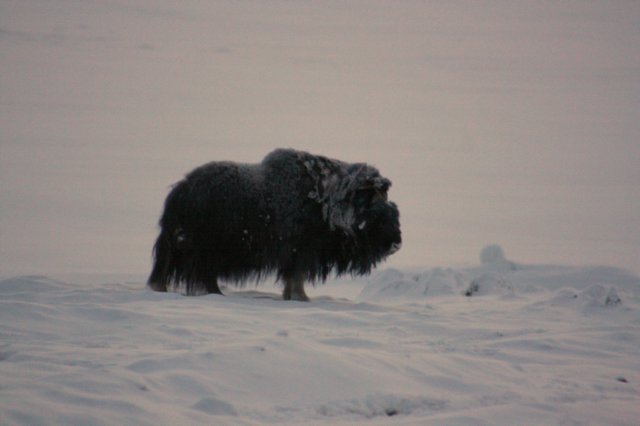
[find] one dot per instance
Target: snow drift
(495, 343)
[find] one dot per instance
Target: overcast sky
(515, 123)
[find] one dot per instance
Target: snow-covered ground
(495, 343)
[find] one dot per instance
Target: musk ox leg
(294, 288)
(163, 263)
(158, 286)
(158, 279)
(212, 287)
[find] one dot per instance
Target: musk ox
(298, 215)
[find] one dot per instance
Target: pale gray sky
(504, 122)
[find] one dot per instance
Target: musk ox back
(295, 214)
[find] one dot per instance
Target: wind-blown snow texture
(497, 343)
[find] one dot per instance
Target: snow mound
(215, 407)
(592, 299)
(492, 254)
(489, 283)
(393, 285)
(28, 284)
(583, 287)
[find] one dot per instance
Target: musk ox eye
(380, 196)
(368, 196)
(363, 197)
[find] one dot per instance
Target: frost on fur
(298, 215)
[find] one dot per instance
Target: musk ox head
(298, 215)
(354, 201)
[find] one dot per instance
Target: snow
(489, 344)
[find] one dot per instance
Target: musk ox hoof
(296, 296)
(297, 215)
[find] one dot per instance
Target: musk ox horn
(298, 215)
